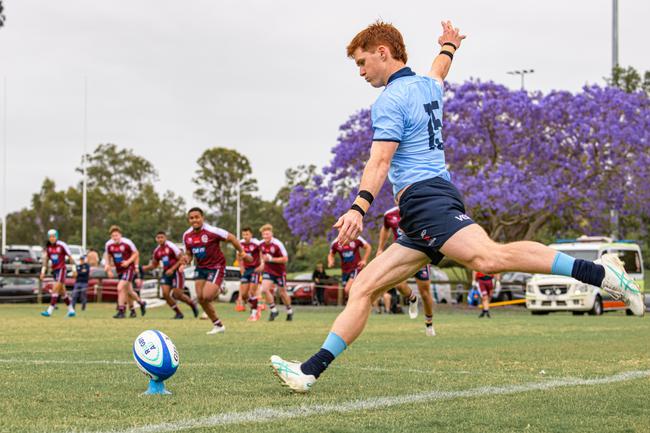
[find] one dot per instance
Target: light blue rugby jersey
(409, 111)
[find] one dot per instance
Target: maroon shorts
(486, 287)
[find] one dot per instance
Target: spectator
(486, 287)
(80, 289)
(92, 258)
(318, 276)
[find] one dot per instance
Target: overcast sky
(268, 78)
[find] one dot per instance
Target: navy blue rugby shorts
(431, 211)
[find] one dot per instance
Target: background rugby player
(351, 261)
(57, 253)
(274, 259)
(250, 264)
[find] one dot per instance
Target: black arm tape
(358, 209)
(448, 53)
(451, 45)
(366, 195)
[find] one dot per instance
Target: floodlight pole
(238, 209)
(522, 74)
(84, 194)
(614, 33)
(4, 165)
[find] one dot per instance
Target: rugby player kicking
(121, 253)
(203, 244)
(391, 223)
(173, 279)
(408, 147)
(250, 264)
(57, 253)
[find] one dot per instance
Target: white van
(548, 293)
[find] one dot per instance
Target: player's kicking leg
(207, 291)
(393, 266)
(472, 247)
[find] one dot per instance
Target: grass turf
(79, 388)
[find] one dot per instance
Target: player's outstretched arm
(449, 41)
(350, 225)
(235, 243)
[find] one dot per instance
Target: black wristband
(366, 195)
(448, 53)
(451, 45)
(358, 209)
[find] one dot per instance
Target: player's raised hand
(350, 226)
(450, 34)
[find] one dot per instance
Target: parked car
(548, 293)
(229, 288)
(18, 289)
(301, 288)
(513, 286)
(20, 261)
(97, 282)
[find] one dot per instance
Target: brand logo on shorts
(430, 240)
(462, 217)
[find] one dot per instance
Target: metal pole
(4, 166)
(522, 80)
(614, 33)
(84, 199)
(238, 209)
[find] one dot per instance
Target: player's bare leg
(388, 269)
(424, 288)
(407, 293)
(207, 292)
(267, 286)
(471, 246)
(167, 295)
(286, 299)
(180, 295)
(388, 302)
(122, 298)
(253, 300)
(347, 287)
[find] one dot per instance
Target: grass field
(513, 373)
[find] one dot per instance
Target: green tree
(118, 171)
(220, 171)
(629, 79)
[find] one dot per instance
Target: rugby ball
(155, 355)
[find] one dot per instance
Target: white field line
(210, 364)
(262, 415)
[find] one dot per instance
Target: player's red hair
(376, 34)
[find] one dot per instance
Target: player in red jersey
(391, 223)
(202, 243)
(485, 285)
(274, 258)
(173, 279)
(250, 264)
(57, 252)
(121, 253)
(351, 261)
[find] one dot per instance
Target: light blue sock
(562, 264)
(334, 344)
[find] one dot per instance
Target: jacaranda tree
(520, 159)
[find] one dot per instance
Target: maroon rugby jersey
(168, 254)
(275, 248)
(391, 221)
(120, 252)
(252, 248)
(57, 253)
(204, 244)
(349, 253)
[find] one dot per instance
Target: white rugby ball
(155, 355)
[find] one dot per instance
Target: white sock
(70, 308)
(50, 309)
(274, 310)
